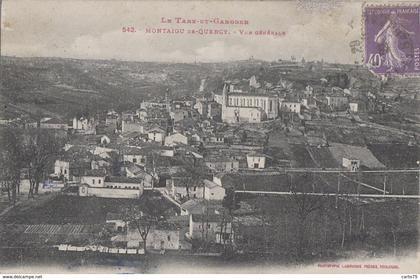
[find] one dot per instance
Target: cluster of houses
(254, 103)
(122, 154)
(182, 148)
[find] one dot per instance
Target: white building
(134, 155)
(62, 168)
(255, 160)
(175, 139)
(354, 107)
(222, 164)
(337, 100)
(105, 139)
(93, 178)
(209, 226)
(84, 125)
(185, 188)
(129, 126)
(290, 106)
(164, 236)
(111, 187)
(201, 107)
(248, 107)
(116, 220)
(351, 164)
(53, 123)
(178, 114)
(212, 191)
(134, 171)
(156, 134)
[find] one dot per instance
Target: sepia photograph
(209, 137)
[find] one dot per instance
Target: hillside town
(249, 167)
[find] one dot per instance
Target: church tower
(225, 95)
(224, 101)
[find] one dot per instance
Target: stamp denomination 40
(392, 39)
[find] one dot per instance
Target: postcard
(185, 137)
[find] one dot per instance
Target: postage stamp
(392, 39)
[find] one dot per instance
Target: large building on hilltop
(240, 107)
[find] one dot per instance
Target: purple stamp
(392, 39)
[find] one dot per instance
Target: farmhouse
(213, 191)
(185, 188)
(255, 160)
(215, 228)
(134, 155)
(163, 236)
(223, 164)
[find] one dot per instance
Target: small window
(65, 171)
(134, 160)
(99, 181)
(93, 181)
(169, 238)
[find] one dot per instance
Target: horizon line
(177, 62)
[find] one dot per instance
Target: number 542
(130, 29)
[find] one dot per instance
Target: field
(55, 229)
(367, 228)
(77, 210)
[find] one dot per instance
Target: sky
(93, 30)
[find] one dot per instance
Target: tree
(230, 202)
(140, 220)
(192, 178)
(11, 161)
(143, 217)
(39, 150)
(305, 204)
(342, 211)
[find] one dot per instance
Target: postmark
(392, 39)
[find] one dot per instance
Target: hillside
(63, 87)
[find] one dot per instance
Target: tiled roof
(54, 121)
(96, 172)
(197, 206)
(210, 184)
(211, 218)
(123, 179)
